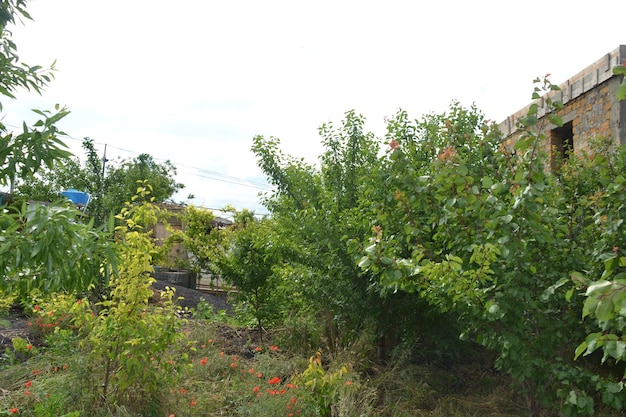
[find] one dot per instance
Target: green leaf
(365, 262)
(577, 277)
(580, 349)
(506, 219)
(556, 120)
(493, 308)
(597, 286)
(605, 309)
(572, 398)
(397, 274)
(371, 249)
(615, 387)
(615, 349)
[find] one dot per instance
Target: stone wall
(590, 107)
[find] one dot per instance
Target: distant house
(591, 109)
(161, 231)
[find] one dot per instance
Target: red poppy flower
(274, 380)
(203, 361)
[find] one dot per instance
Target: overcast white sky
(193, 81)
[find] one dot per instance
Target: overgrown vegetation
(435, 272)
(109, 185)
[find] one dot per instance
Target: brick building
(161, 231)
(177, 256)
(591, 109)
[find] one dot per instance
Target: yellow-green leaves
(128, 340)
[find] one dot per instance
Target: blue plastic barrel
(77, 197)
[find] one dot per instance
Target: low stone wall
(181, 277)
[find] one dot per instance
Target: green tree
(128, 342)
(46, 247)
(198, 238)
(486, 234)
(40, 247)
(48, 183)
(248, 257)
(120, 183)
(22, 154)
(108, 190)
(17, 75)
(319, 210)
(603, 278)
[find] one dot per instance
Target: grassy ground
(232, 371)
(232, 374)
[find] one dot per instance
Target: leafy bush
(129, 344)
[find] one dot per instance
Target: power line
(221, 177)
(211, 175)
(199, 172)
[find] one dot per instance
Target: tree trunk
(533, 404)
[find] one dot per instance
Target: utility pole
(104, 159)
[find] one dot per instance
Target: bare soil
(191, 297)
(15, 325)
